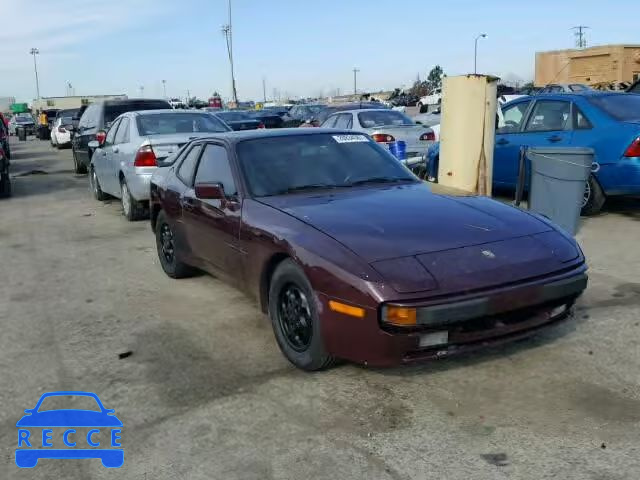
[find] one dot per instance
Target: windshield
(68, 402)
(279, 165)
(621, 106)
(233, 116)
(379, 118)
(23, 118)
(174, 122)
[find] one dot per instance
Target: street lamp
(164, 87)
(226, 31)
(34, 52)
(475, 56)
(141, 91)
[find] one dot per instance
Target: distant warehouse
(46, 103)
(592, 66)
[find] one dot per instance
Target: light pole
(34, 52)
(141, 91)
(475, 55)
(164, 88)
(355, 81)
(227, 32)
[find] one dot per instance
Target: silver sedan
(122, 164)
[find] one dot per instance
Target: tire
(94, 184)
(132, 209)
(594, 197)
(5, 185)
(77, 166)
(423, 108)
(166, 248)
(303, 345)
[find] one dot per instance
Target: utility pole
(188, 98)
(355, 81)
(228, 35)
(264, 91)
(34, 52)
(164, 88)
(581, 41)
(141, 91)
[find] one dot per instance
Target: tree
(434, 79)
(419, 88)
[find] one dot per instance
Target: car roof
(124, 101)
(567, 95)
(360, 110)
(242, 135)
(166, 110)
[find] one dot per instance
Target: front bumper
(489, 318)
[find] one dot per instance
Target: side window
(345, 120)
(123, 131)
(580, 121)
(549, 116)
(214, 167)
(111, 134)
(330, 122)
(188, 165)
(512, 117)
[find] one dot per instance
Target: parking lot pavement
(205, 393)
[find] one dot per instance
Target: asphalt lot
(205, 393)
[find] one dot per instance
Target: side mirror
(94, 144)
(209, 191)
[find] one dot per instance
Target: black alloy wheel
(294, 316)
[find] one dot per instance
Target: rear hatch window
(113, 111)
(172, 123)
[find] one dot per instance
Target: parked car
(324, 113)
(608, 122)
(385, 127)
(61, 132)
(22, 120)
(122, 164)
(268, 117)
(302, 113)
(404, 100)
(351, 255)
(4, 138)
(635, 88)
(435, 98)
(5, 180)
(239, 120)
(96, 120)
(564, 88)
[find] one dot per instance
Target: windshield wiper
(380, 180)
(301, 188)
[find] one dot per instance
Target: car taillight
(428, 137)
(145, 157)
(634, 149)
(383, 138)
(101, 136)
(261, 125)
(61, 130)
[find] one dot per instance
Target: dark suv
(97, 119)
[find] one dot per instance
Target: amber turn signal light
(346, 309)
(401, 316)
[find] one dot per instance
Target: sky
(300, 47)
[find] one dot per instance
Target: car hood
(401, 220)
(69, 418)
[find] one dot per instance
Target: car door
(213, 228)
(102, 158)
(509, 138)
(118, 153)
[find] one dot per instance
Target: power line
(581, 41)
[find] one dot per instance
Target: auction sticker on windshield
(350, 138)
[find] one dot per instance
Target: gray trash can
(558, 181)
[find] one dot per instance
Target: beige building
(604, 64)
(63, 103)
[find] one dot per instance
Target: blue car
(27, 455)
(608, 122)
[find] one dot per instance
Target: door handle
(502, 141)
(554, 138)
(188, 203)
